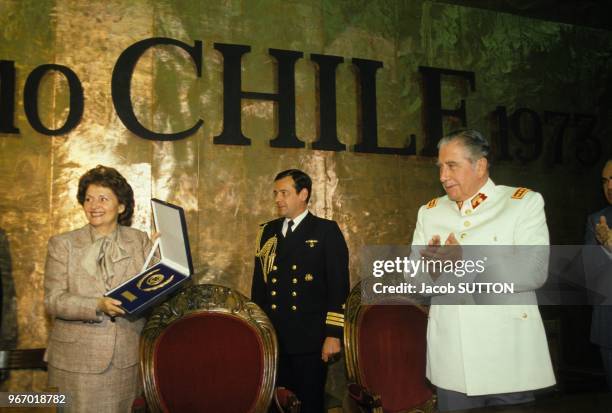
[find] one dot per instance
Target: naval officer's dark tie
(289, 228)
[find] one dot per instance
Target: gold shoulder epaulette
(258, 238)
(265, 253)
(432, 203)
(520, 193)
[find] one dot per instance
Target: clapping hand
(603, 233)
(451, 251)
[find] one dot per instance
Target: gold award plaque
(153, 280)
(129, 296)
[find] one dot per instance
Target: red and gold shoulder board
(432, 203)
(520, 193)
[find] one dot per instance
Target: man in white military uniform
(484, 355)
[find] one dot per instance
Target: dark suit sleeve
(337, 270)
(597, 263)
(258, 288)
(589, 232)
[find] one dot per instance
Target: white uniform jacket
(489, 349)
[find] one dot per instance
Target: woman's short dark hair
(300, 178)
(109, 178)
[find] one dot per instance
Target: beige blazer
(81, 340)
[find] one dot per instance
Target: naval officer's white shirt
(480, 350)
(296, 222)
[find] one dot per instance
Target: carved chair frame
(208, 298)
(352, 320)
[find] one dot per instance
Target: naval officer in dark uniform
(301, 280)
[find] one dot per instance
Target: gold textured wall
(226, 190)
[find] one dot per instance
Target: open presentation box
(152, 285)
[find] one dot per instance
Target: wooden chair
(385, 357)
(208, 349)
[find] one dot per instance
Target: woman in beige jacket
(93, 350)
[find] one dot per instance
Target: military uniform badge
(311, 242)
(478, 199)
(520, 193)
(432, 203)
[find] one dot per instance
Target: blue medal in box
(153, 284)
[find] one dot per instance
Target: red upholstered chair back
(391, 355)
(386, 352)
(218, 355)
(209, 362)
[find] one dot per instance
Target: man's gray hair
(475, 143)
